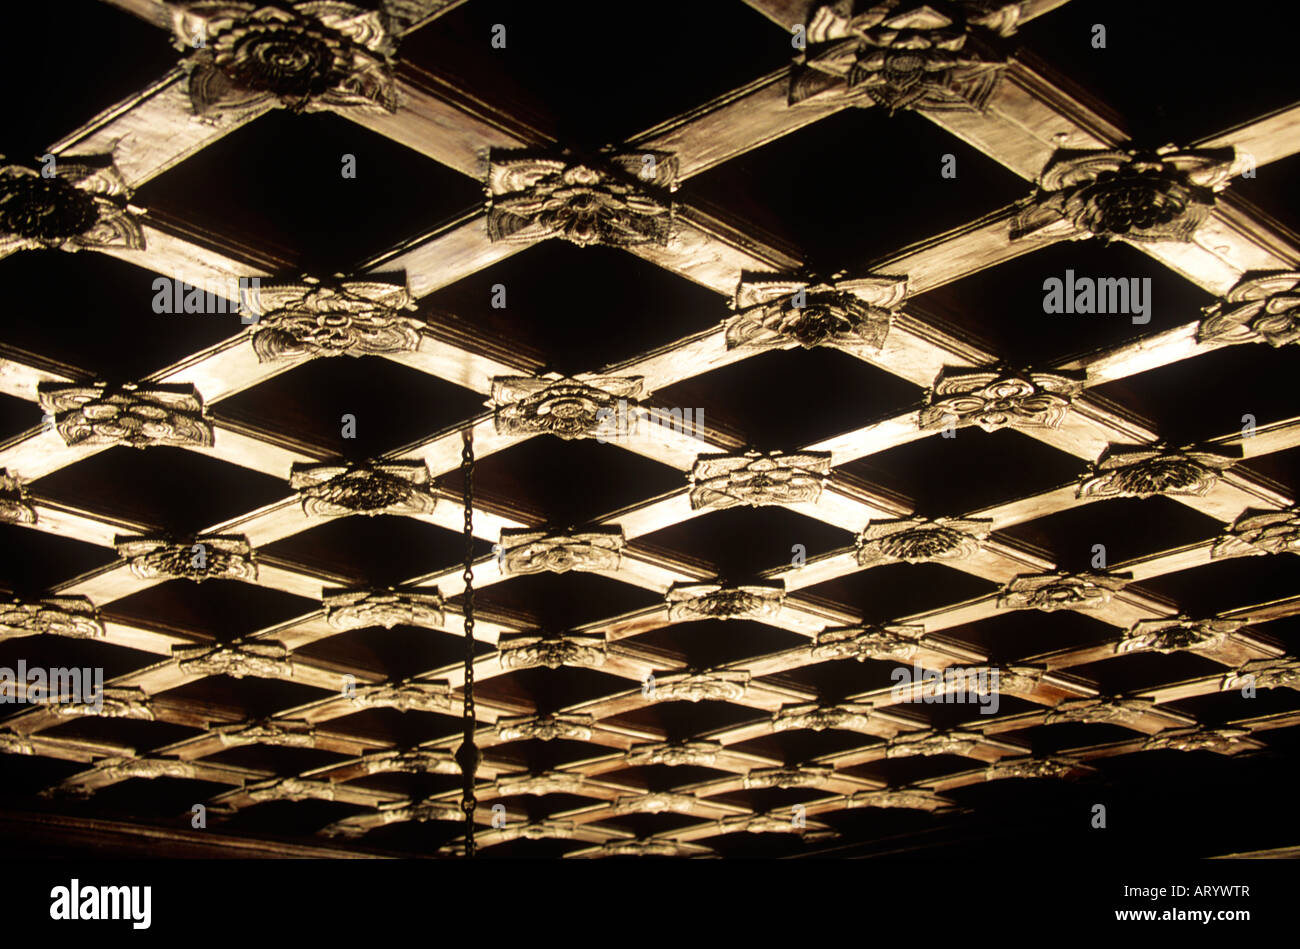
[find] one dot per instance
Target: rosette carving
(994, 400)
(656, 802)
(1163, 195)
(537, 197)
(917, 799)
(359, 608)
(1061, 591)
(82, 205)
(262, 660)
(283, 734)
(853, 718)
(546, 727)
(1257, 534)
(674, 753)
(526, 651)
(804, 776)
(1029, 768)
(566, 408)
(919, 539)
(128, 415)
(292, 789)
(306, 57)
(72, 616)
(411, 761)
(547, 782)
(404, 696)
(868, 642)
(700, 601)
(344, 318)
(207, 557)
(369, 489)
(722, 685)
(777, 313)
(1280, 673)
(112, 703)
(903, 55)
(528, 551)
(1107, 711)
(1147, 472)
(758, 479)
(1264, 308)
(1221, 741)
(123, 769)
(1177, 634)
(14, 506)
(930, 743)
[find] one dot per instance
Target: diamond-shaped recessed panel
(1007, 306)
(1152, 65)
(618, 85)
(785, 400)
(104, 56)
(97, 314)
(860, 185)
(391, 405)
(612, 306)
(168, 489)
(296, 203)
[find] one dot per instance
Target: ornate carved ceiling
(800, 519)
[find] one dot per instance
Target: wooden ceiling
(824, 231)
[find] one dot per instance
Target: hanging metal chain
(467, 755)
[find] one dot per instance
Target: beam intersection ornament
(1113, 194)
(1145, 472)
(1105, 710)
(758, 479)
(332, 318)
(405, 696)
(410, 761)
(263, 660)
(564, 407)
(674, 753)
(306, 57)
(529, 651)
(688, 602)
(526, 551)
(369, 488)
(1220, 741)
(846, 717)
(546, 727)
(919, 799)
(800, 776)
(712, 685)
(72, 616)
(1177, 634)
(931, 56)
(540, 783)
(204, 557)
(112, 702)
(921, 540)
(134, 415)
(1282, 672)
(868, 642)
(15, 507)
(1061, 591)
(929, 743)
(1030, 768)
(1264, 307)
(994, 399)
(620, 200)
(364, 607)
(291, 789)
(1256, 533)
(779, 312)
(282, 733)
(83, 204)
